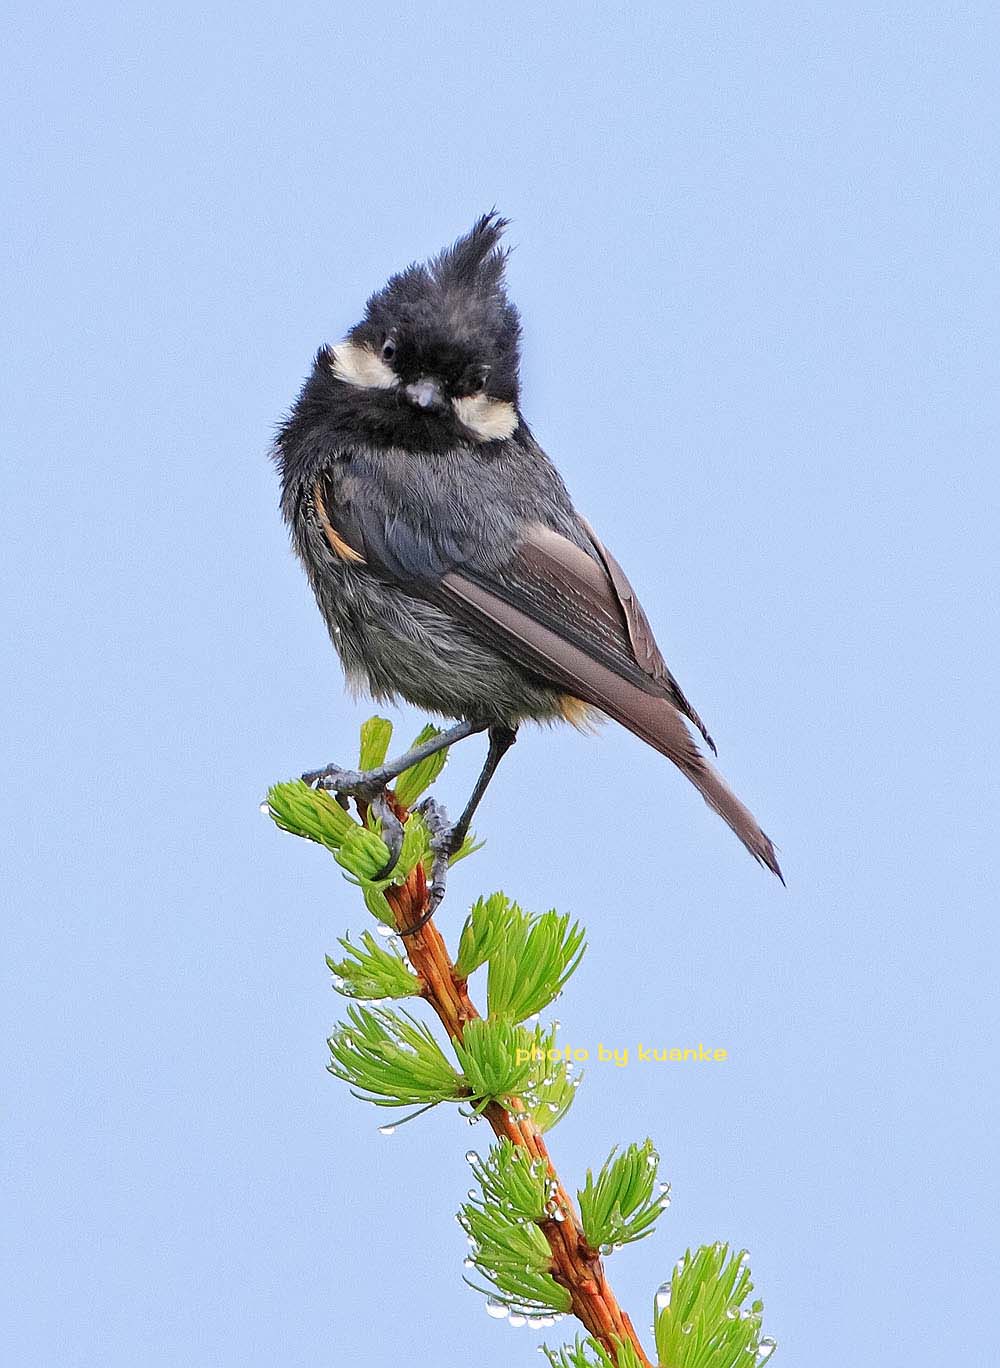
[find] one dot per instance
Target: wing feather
(647, 653)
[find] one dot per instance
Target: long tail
(650, 716)
(655, 721)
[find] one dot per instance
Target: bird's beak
(426, 393)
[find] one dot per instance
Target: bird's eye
(388, 349)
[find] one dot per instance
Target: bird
(445, 553)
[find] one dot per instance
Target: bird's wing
(644, 647)
(585, 597)
(567, 616)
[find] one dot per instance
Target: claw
(392, 834)
(441, 842)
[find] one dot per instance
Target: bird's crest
(476, 261)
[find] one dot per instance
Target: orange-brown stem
(575, 1265)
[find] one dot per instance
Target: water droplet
(552, 1106)
(664, 1188)
(767, 1347)
(265, 808)
(607, 1249)
(468, 1263)
(538, 1322)
(662, 1297)
(516, 1320)
(386, 932)
(556, 1025)
(733, 1313)
(471, 1157)
(664, 1202)
(387, 1130)
(472, 1193)
(686, 1329)
(652, 1159)
(558, 1214)
(496, 1309)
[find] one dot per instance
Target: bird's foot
(366, 785)
(443, 845)
(369, 787)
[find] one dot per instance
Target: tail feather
(655, 721)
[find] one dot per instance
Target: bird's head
(435, 358)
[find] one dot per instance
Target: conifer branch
(543, 1254)
(576, 1265)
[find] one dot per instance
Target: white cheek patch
(487, 419)
(359, 366)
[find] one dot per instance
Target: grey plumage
(442, 546)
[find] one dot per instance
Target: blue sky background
(756, 255)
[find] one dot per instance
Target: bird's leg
(367, 784)
(501, 740)
(446, 840)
